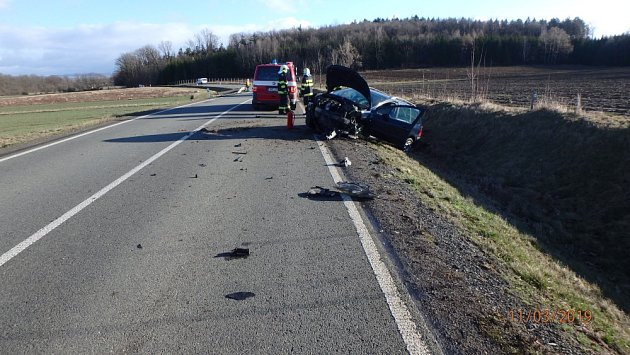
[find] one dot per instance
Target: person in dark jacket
(306, 90)
(283, 90)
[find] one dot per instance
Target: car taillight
(254, 89)
(292, 89)
(420, 132)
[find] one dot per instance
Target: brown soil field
(97, 95)
(601, 88)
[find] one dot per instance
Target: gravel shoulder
(457, 287)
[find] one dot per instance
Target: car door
(379, 124)
(394, 123)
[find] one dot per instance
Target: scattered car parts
(352, 189)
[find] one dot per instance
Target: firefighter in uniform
(283, 90)
(306, 90)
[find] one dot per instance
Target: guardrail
(213, 81)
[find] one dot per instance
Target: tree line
(379, 44)
(29, 84)
(364, 45)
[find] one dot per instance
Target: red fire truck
(265, 85)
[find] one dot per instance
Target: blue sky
(63, 37)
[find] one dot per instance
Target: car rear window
(267, 73)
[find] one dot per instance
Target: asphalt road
(117, 241)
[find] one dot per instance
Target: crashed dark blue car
(351, 107)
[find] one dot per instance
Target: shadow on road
(239, 132)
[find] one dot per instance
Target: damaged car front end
(350, 107)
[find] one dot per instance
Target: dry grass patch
(539, 279)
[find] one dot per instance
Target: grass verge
(23, 123)
(539, 280)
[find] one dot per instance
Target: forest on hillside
(368, 45)
(379, 44)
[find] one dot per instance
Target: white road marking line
(398, 308)
(90, 132)
(66, 216)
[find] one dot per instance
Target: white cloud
(80, 49)
(95, 48)
(5, 4)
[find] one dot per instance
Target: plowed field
(600, 88)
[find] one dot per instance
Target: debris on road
(319, 191)
(269, 178)
(238, 159)
(236, 253)
(240, 252)
(237, 152)
(153, 174)
(237, 145)
(139, 246)
(194, 177)
(345, 162)
(351, 189)
(355, 189)
(239, 296)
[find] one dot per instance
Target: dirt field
(601, 89)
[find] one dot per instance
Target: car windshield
(352, 95)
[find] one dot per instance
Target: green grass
(19, 124)
(539, 280)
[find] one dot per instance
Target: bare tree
(166, 48)
(555, 42)
(347, 55)
(206, 41)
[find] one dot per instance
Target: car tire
(408, 145)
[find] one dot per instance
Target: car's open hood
(338, 75)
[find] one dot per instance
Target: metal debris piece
(238, 159)
(319, 191)
(194, 177)
(345, 162)
(236, 152)
(153, 174)
(269, 178)
(240, 252)
(355, 189)
(139, 246)
(332, 135)
(239, 296)
(236, 253)
(237, 145)
(352, 189)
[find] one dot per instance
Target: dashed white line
(406, 325)
(66, 216)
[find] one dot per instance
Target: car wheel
(408, 145)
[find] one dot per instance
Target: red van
(265, 85)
